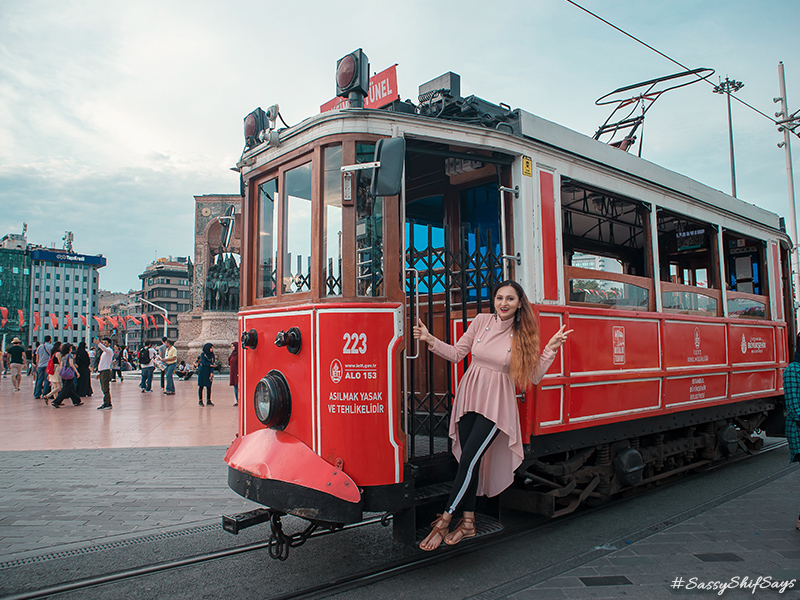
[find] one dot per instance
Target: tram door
(452, 260)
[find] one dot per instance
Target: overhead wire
(669, 58)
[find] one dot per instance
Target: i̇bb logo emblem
(336, 371)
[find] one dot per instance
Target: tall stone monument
(215, 278)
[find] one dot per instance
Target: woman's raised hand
(558, 339)
(421, 333)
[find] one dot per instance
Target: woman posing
(205, 374)
(484, 425)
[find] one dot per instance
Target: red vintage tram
(679, 297)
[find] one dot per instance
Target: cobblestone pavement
(748, 543)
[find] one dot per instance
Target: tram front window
(297, 232)
(267, 239)
(332, 227)
(369, 230)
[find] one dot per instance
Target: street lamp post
(787, 123)
(727, 87)
(166, 313)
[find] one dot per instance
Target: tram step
(431, 492)
(484, 525)
(234, 524)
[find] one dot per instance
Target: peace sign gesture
(558, 339)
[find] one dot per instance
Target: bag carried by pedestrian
(144, 356)
(67, 372)
(51, 368)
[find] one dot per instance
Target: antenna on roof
(644, 95)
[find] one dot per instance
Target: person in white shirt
(104, 370)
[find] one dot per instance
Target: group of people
(165, 358)
(64, 371)
(204, 366)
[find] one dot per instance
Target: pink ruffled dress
(487, 389)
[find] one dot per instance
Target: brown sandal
(464, 529)
(440, 530)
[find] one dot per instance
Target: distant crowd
(63, 371)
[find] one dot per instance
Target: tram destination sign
(382, 91)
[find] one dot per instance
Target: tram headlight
(273, 400)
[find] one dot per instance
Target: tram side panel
(616, 368)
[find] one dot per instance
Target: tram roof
(527, 128)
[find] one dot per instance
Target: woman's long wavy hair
(525, 343)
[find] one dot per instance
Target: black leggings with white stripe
(476, 433)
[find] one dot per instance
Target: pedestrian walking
(147, 364)
(84, 363)
(484, 422)
(205, 373)
(17, 361)
(791, 394)
(162, 352)
(171, 361)
(53, 376)
(43, 351)
(104, 370)
(233, 378)
(68, 374)
(29, 359)
(116, 364)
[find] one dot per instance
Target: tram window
(369, 230)
(606, 247)
(297, 232)
(332, 226)
(744, 269)
(267, 239)
(689, 273)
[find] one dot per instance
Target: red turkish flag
(100, 322)
(4, 312)
(121, 320)
(152, 321)
(37, 321)
(83, 320)
(166, 319)
(68, 320)
(132, 318)
(54, 320)
(143, 317)
(21, 318)
(113, 321)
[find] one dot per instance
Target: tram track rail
(398, 567)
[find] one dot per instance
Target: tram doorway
(452, 260)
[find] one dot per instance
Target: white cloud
(123, 111)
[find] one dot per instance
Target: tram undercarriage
(563, 471)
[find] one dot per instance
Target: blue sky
(113, 115)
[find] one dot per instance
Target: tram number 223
(354, 343)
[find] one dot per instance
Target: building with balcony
(166, 285)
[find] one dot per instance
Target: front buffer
(279, 471)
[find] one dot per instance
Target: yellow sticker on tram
(527, 166)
